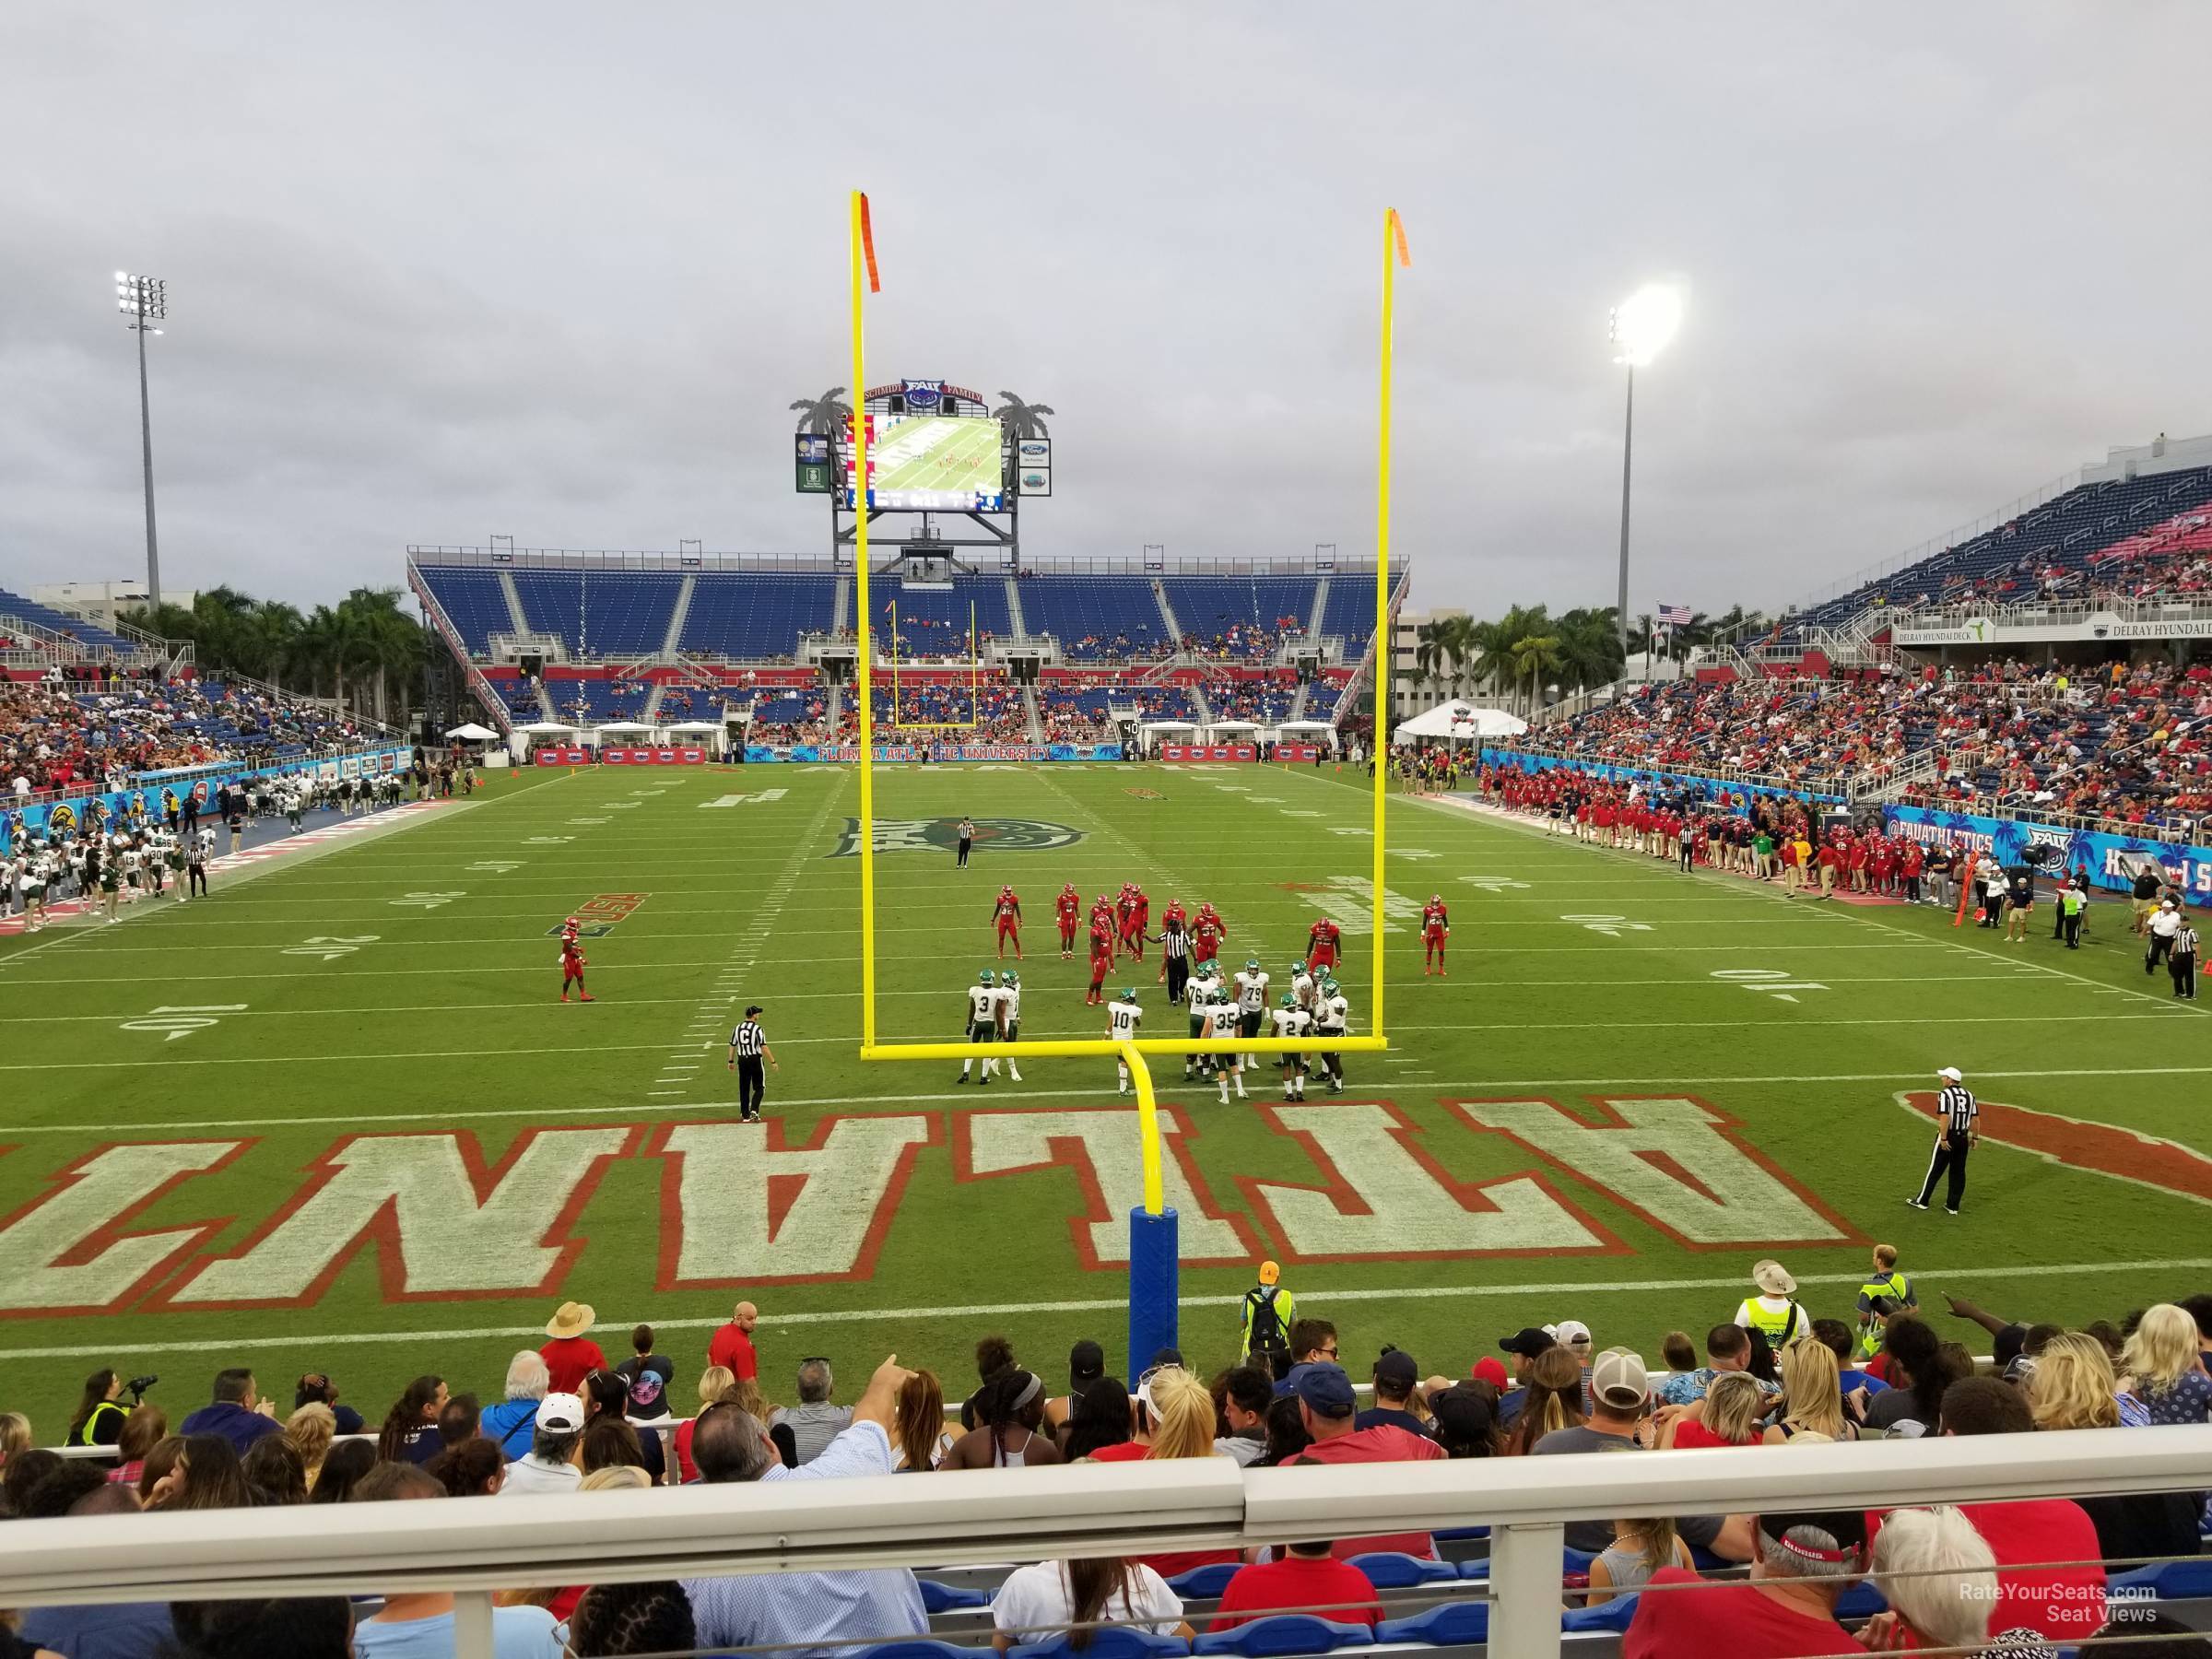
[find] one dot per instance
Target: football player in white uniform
(1224, 1023)
(1122, 1020)
(1301, 986)
(1290, 1020)
(1009, 1021)
(1331, 1015)
(982, 1020)
(1252, 1001)
(1200, 999)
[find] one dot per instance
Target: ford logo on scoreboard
(924, 396)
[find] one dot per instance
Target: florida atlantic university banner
(2111, 861)
(156, 791)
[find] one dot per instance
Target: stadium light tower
(1641, 326)
(144, 301)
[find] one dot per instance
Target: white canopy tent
(523, 738)
(708, 734)
(1457, 722)
(470, 732)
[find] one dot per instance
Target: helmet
(1296, 969)
(572, 922)
(1008, 889)
(1436, 898)
(1252, 962)
(983, 978)
(1011, 980)
(1100, 900)
(1129, 994)
(1290, 999)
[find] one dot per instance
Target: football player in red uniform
(1206, 933)
(1068, 907)
(1140, 918)
(1102, 960)
(1322, 942)
(1436, 927)
(572, 968)
(1102, 916)
(1005, 912)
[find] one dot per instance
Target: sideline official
(748, 1049)
(1957, 1132)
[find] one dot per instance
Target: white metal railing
(472, 1547)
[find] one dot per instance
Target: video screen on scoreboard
(944, 462)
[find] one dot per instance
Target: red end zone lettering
(598, 915)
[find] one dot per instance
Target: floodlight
(1645, 322)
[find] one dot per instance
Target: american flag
(1673, 614)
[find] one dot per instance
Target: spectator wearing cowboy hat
(1771, 1312)
(570, 1355)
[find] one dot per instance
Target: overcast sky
(556, 271)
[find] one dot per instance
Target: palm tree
(828, 414)
(1023, 419)
(1535, 654)
(1590, 647)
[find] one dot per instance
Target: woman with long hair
(99, 1416)
(2163, 1368)
(1010, 1434)
(410, 1431)
(609, 1442)
(309, 1430)
(2072, 1385)
(146, 1428)
(1463, 1419)
(204, 1474)
(920, 1441)
(615, 1619)
(1727, 1415)
(1640, 1548)
(1287, 1435)
(1554, 1400)
(1098, 1417)
(14, 1435)
(1041, 1602)
(1812, 1393)
(469, 1468)
(343, 1467)
(274, 1470)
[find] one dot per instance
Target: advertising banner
(652, 756)
(2111, 860)
(1665, 780)
(1209, 751)
(1298, 751)
(554, 755)
(764, 754)
(156, 791)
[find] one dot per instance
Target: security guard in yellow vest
(1885, 1293)
(1267, 1312)
(1771, 1312)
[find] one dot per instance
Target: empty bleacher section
(1350, 612)
(1096, 618)
(1240, 617)
(20, 608)
(933, 621)
(602, 614)
(473, 602)
(586, 702)
(757, 616)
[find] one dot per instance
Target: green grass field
(390, 1149)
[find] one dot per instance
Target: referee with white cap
(748, 1048)
(1957, 1131)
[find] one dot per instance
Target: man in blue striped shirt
(820, 1615)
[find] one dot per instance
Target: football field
(935, 461)
(333, 1117)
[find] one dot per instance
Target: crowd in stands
(996, 711)
(2011, 1579)
(1242, 642)
(2108, 741)
(54, 737)
(2173, 560)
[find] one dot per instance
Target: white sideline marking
(1097, 1305)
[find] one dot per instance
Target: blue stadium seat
(1386, 1570)
(1450, 1625)
(1284, 1634)
(755, 617)
(943, 1598)
(920, 1648)
(1095, 616)
(1114, 1642)
(933, 622)
(26, 609)
(473, 602)
(1204, 1583)
(1461, 1532)
(1863, 1600)
(2168, 1580)
(1612, 1615)
(1350, 612)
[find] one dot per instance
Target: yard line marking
(1092, 1305)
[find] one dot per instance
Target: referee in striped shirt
(748, 1048)
(1957, 1131)
(1176, 956)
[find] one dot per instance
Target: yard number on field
(1771, 980)
(760, 798)
(427, 901)
(182, 1021)
(1611, 926)
(329, 948)
(1492, 884)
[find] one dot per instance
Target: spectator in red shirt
(1801, 1562)
(569, 1354)
(1325, 1408)
(1305, 1577)
(733, 1344)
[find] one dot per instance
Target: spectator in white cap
(1771, 1312)
(555, 1460)
(1620, 1396)
(1574, 1336)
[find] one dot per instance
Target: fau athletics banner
(1637, 774)
(759, 754)
(1209, 751)
(156, 790)
(2111, 860)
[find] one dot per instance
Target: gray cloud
(555, 271)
